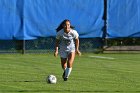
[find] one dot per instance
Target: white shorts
(64, 54)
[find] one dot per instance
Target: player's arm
(77, 46)
(56, 47)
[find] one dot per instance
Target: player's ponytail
(61, 25)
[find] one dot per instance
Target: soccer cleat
(65, 79)
(63, 76)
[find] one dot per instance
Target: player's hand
(56, 53)
(78, 52)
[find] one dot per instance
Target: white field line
(102, 57)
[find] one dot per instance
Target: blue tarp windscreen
(29, 19)
(123, 18)
(10, 21)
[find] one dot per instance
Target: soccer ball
(51, 79)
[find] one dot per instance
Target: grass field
(92, 73)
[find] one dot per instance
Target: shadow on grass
(23, 81)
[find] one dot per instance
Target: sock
(64, 69)
(67, 72)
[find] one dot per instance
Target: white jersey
(67, 43)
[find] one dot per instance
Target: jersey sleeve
(76, 35)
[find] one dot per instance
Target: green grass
(27, 74)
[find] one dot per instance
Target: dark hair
(61, 25)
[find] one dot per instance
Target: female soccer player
(67, 39)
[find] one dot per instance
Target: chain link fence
(45, 45)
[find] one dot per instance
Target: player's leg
(64, 63)
(70, 61)
(63, 55)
